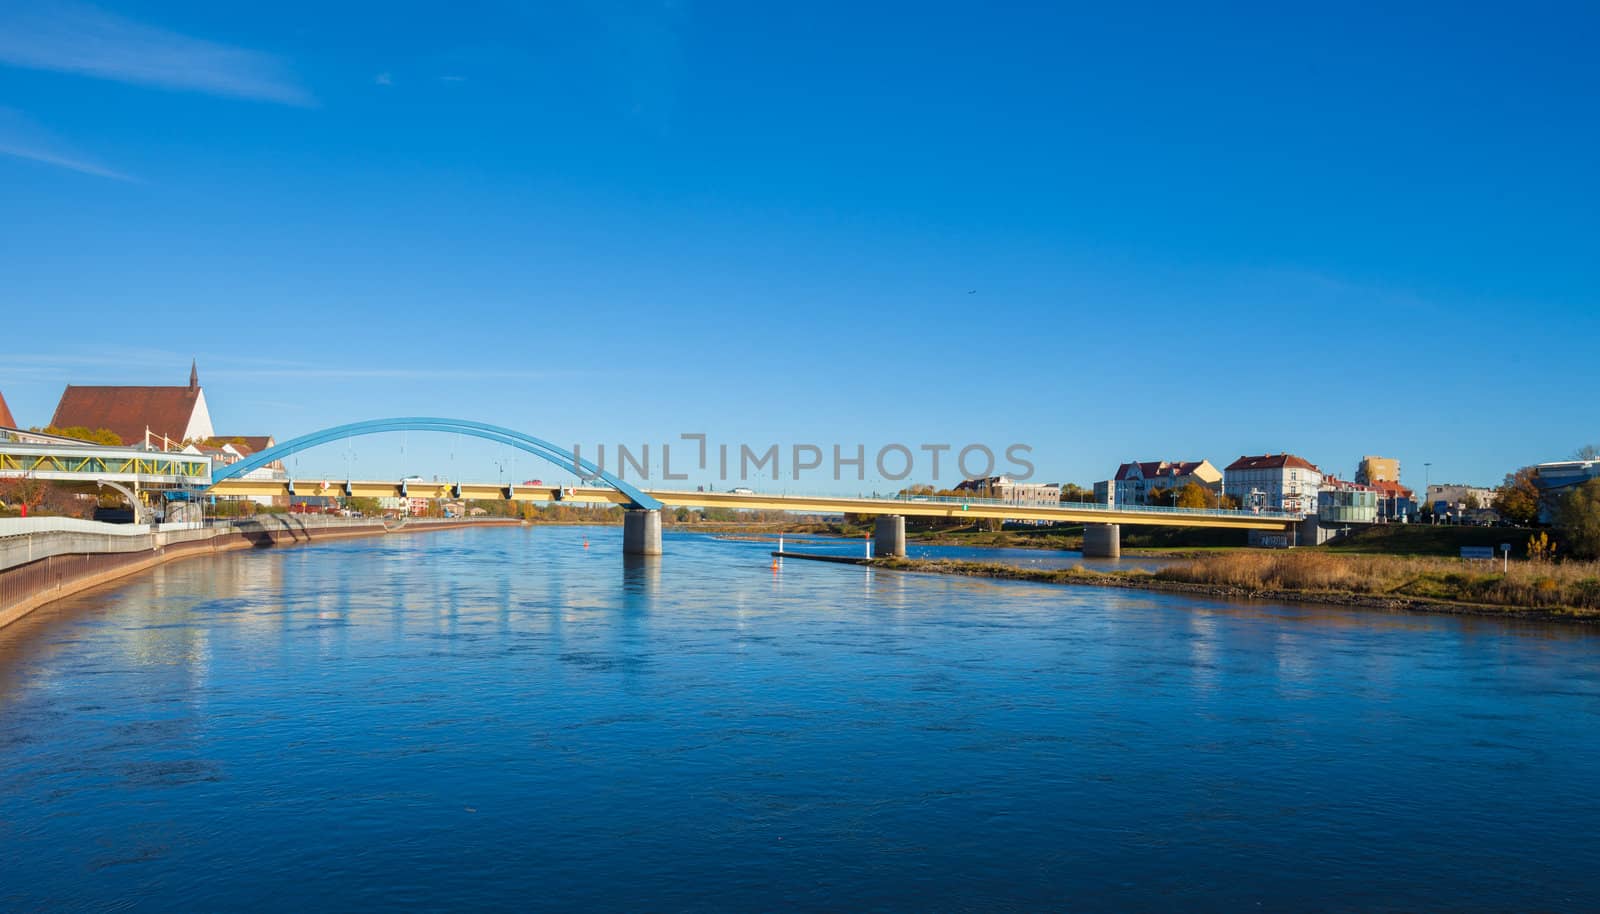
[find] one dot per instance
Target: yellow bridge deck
(805, 504)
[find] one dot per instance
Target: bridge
(642, 522)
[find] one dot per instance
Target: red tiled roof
(1391, 489)
(127, 410)
(6, 420)
(1155, 469)
(1273, 462)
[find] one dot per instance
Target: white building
(1136, 482)
(1004, 488)
(1274, 482)
(226, 451)
(1452, 498)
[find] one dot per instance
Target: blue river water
(504, 719)
(1045, 559)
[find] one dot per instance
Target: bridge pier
(889, 536)
(641, 532)
(1102, 541)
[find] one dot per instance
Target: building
(6, 419)
(394, 505)
(1395, 501)
(1341, 502)
(314, 504)
(161, 417)
(1004, 488)
(1556, 479)
(1274, 482)
(1456, 499)
(226, 451)
(1136, 482)
(1374, 470)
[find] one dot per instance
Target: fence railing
(1093, 506)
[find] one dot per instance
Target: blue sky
(1166, 232)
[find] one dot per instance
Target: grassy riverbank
(1184, 542)
(1568, 590)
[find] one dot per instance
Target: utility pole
(1427, 483)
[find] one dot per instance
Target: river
(503, 718)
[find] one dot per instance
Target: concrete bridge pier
(889, 536)
(641, 532)
(1102, 541)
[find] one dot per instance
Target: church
(159, 416)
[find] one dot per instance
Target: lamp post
(1427, 483)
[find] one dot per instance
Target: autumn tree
(94, 436)
(1072, 492)
(1579, 518)
(1193, 495)
(1517, 499)
(20, 492)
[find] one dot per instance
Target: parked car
(741, 490)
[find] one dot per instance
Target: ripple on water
(482, 718)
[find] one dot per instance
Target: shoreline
(1135, 581)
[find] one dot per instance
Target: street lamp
(1427, 483)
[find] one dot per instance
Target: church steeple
(194, 374)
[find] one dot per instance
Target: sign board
(1477, 552)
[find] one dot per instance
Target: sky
(1164, 232)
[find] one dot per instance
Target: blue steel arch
(536, 446)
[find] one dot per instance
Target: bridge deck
(973, 509)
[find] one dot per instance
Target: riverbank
(45, 559)
(1188, 542)
(1565, 592)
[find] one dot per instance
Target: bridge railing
(1093, 506)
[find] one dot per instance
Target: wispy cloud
(71, 37)
(157, 366)
(24, 139)
(317, 372)
(383, 79)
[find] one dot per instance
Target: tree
(1072, 492)
(1517, 499)
(1579, 518)
(1587, 452)
(1472, 501)
(93, 436)
(23, 492)
(367, 507)
(1193, 495)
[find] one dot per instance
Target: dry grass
(1542, 585)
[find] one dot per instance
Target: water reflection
(479, 718)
